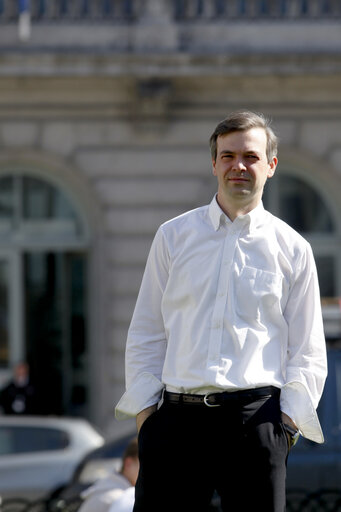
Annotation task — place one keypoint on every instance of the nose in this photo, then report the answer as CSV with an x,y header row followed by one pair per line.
x,y
239,165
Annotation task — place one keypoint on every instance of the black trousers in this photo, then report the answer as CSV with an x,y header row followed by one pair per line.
x,y
188,451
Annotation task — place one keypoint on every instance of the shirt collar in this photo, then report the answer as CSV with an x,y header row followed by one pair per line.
x,y
253,219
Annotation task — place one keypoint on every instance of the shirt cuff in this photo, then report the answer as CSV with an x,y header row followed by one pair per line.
x,y
297,404
145,391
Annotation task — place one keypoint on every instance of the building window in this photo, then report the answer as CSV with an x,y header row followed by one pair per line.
x,y
302,206
43,289
31,207
4,312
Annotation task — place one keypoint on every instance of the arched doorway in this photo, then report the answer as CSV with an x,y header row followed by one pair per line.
x,y
308,203
43,289
300,205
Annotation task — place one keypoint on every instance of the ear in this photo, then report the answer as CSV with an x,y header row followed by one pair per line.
x,y
214,170
128,461
272,167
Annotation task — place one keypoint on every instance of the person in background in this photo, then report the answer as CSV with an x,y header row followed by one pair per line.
x,y
228,331
125,502
106,491
19,396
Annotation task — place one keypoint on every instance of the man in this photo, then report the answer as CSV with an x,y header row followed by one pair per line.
x,y
19,396
116,488
228,326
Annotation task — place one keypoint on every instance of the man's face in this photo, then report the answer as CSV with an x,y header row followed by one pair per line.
x,y
242,167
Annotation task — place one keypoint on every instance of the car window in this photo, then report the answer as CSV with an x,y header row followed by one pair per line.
x,y
26,439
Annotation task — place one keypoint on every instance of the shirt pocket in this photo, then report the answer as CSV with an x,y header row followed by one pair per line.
x,y
257,292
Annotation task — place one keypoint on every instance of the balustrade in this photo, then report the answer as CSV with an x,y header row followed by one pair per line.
x,y
181,10
190,10
63,10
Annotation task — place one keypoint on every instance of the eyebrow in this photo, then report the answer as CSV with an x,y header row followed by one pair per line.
x,y
230,152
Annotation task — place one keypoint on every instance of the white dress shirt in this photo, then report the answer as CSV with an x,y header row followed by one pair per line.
x,y
104,492
125,503
225,306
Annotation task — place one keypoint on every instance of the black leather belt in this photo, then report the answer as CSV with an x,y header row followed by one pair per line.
x,y
218,399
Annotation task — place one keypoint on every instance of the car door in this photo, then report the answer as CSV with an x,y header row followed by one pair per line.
x,y
32,459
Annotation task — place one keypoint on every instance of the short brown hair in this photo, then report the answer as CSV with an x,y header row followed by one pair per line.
x,y
241,121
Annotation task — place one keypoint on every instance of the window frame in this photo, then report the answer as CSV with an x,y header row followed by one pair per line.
x,y
42,236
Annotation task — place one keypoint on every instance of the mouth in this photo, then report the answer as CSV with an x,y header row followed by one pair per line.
x,y
238,179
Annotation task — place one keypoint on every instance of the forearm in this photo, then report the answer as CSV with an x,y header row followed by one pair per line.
x,y
306,352
143,415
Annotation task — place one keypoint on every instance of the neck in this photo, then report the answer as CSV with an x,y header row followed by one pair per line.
x,y
233,209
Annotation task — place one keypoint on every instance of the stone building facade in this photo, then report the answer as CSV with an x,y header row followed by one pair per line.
x,y
106,108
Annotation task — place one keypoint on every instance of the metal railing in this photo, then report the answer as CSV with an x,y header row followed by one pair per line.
x,y
43,505
324,500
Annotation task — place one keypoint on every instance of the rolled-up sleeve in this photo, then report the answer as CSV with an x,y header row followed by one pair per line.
x,y
306,367
146,342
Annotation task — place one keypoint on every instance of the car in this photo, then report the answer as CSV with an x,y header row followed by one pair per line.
x,y
315,469
99,463
38,455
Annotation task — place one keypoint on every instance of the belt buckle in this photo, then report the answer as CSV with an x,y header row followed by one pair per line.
x,y
206,402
